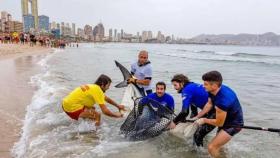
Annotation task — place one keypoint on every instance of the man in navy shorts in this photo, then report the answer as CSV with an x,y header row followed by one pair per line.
x,y
229,115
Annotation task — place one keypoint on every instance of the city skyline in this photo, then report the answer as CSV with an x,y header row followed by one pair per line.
x,y
37,24
181,18
62,30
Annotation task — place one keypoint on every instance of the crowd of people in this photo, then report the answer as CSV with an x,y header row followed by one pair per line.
x,y
33,40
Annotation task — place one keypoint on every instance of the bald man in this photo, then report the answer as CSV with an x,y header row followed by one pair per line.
x,y
142,71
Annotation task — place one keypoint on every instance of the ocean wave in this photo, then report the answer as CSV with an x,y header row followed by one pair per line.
x,y
45,121
227,53
230,58
253,55
36,115
196,51
237,54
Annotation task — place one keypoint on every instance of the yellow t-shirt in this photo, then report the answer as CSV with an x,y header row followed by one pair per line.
x,y
85,95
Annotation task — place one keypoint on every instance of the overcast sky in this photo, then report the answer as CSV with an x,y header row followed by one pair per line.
x,y
183,18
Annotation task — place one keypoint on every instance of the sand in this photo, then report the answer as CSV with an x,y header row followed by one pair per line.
x,y
17,64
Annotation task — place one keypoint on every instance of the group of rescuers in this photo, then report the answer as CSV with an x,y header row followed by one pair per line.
x,y
219,105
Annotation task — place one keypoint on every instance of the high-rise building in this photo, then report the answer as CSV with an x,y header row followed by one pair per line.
x,y
28,23
65,29
80,33
73,29
160,37
53,25
98,32
34,11
1,25
62,30
122,33
127,36
24,7
150,35
110,35
144,36
6,18
88,32
44,23
118,37
58,26
50,26
55,29
115,35
16,26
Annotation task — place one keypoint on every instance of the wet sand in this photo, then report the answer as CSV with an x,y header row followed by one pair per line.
x,y
17,64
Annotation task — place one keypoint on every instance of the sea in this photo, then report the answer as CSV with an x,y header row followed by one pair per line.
x,y
252,72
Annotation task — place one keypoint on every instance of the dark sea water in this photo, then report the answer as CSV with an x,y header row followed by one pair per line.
x,y
252,72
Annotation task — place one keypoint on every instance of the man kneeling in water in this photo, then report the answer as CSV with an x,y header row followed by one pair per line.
x,y
229,114
80,102
195,95
156,100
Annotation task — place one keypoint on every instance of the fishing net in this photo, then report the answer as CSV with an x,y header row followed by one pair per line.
x,y
147,119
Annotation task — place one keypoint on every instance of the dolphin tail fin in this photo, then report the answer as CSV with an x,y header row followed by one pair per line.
x,y
126,75
121,85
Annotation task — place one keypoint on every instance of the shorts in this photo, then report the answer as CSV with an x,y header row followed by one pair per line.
x,y
75,114
230,130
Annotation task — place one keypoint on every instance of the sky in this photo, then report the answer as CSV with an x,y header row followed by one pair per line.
x,y
183,18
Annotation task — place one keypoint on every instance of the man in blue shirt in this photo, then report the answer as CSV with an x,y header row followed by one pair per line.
x,y
142,72
160,98
229,114
195,95
154,114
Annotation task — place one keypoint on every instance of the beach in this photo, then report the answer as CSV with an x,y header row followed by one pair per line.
x,y
34,105
17,64
253,73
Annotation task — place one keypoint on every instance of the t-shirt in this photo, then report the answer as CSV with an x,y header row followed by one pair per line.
x,y
194,94
227,101
166,100
85,95
142,72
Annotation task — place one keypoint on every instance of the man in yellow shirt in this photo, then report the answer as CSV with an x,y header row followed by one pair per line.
x,y
80,102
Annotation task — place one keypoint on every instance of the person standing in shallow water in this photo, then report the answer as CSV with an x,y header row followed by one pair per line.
x,y
229,115
142,72
80,102
193,96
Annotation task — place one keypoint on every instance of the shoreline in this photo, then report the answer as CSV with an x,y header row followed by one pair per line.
x,y
18,63
8,51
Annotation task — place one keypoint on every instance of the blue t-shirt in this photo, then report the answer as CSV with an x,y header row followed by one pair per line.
x,y
166,100
227,101
194,94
